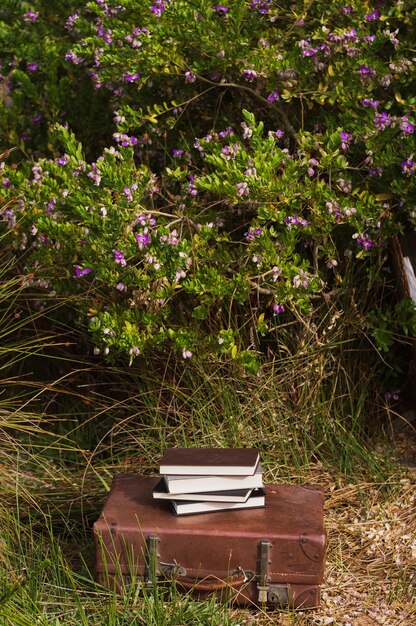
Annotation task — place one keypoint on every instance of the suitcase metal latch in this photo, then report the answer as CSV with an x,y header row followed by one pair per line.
x,y
154,567
263,569
278,594
269,592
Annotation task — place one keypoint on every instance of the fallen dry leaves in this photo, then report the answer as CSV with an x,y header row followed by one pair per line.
x,y
370,574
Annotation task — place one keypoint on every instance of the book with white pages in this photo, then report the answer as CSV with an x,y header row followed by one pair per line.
x,y
160,492
183,507
200,484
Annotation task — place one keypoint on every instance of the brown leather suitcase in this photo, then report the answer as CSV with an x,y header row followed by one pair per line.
x,y
271,556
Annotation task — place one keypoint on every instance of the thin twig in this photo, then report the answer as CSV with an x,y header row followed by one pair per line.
x,y
263,290
277,107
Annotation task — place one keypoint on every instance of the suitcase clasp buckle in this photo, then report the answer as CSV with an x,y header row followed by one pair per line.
x,y
152,568
172,570
263,568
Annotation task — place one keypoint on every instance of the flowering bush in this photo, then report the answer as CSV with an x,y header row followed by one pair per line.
x,y
37,89
262,155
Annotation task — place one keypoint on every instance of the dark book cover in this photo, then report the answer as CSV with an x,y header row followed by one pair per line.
x,y
210,461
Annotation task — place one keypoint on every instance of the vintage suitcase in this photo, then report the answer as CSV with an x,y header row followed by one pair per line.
x,y
267,556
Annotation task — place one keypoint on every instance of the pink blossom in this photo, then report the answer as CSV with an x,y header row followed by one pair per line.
x,y
242,189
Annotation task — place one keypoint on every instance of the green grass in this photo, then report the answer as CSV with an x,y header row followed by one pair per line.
x,y
40,584
63,464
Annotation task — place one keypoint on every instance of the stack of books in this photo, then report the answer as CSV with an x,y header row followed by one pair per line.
x,y
201,480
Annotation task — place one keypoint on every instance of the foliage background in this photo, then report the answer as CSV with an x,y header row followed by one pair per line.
x,y
197,208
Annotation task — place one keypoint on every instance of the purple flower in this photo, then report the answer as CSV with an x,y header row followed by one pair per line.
x,y
273,96
276,273
249,75
72,58
81,272
190,77
128,192
222,9
95,174
63,160
6,182
261,6
370,103
143,239
278,308
226,133
375,171
134,351
105,34
71,21
32,67
125,140
145,218
158,7
382,120
177,152
197,145
192,190
171,239
301,279
307,49
30,17
253,232
365,70
119,257
346,10
186,354
312,163
295,220
406,127
345,140
409,166
130,78
363,240
230,152
36,118
180,274
369,38
247,131
50,206
392,37
344,185
372,17
242,189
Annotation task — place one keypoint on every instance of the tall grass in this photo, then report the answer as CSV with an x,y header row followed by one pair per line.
x,y
314,401
43,582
